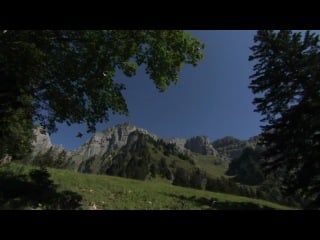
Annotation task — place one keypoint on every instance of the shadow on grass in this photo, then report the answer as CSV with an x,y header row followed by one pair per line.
x,y
214,204
34,191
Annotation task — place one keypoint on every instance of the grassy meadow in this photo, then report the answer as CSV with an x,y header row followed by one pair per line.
x,y
116,193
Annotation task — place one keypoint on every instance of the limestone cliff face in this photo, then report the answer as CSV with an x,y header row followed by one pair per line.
x,y
109,140
201,145
42,142
198,144
180,143
106,145
41,145
231,148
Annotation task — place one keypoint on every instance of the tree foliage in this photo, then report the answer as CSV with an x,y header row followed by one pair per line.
x,y
286,80
247,168
56,76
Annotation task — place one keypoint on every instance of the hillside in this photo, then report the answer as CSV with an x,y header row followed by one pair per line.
x,y
128,151
133,153
73,190
230,148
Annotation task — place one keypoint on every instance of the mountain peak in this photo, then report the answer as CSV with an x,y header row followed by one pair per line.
x,y
110,139
200,144
124,125
42,140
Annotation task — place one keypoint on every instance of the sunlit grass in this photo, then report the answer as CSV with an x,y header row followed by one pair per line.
x,y
109,192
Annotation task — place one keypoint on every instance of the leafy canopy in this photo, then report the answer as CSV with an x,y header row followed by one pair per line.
x,y
67,76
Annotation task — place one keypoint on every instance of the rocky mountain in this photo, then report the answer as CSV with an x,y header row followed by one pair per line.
x,y
142,157
201,145
109,140
180,143
126,150
42,143
114,138
115,162
231,148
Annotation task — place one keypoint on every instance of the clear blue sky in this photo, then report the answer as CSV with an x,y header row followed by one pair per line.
x,y
212,99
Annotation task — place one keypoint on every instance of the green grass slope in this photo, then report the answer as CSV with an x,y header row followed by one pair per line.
x,y
210,165
108,192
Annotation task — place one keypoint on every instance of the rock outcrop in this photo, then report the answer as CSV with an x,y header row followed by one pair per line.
x,y
42,142
201,145
179,142
231,148
109,140
107,144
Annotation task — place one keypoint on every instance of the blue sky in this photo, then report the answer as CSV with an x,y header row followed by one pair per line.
x,y
211,99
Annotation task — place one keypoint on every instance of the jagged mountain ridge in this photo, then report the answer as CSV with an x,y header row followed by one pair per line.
x,y
105,149
112,139
141,157
231,148
109,140
42,143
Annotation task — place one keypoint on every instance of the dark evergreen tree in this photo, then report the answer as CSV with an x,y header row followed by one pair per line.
x,y
247,168
181,178
44,159
287,81
212,185
62,158
163,169
137,168
196,179
153,170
